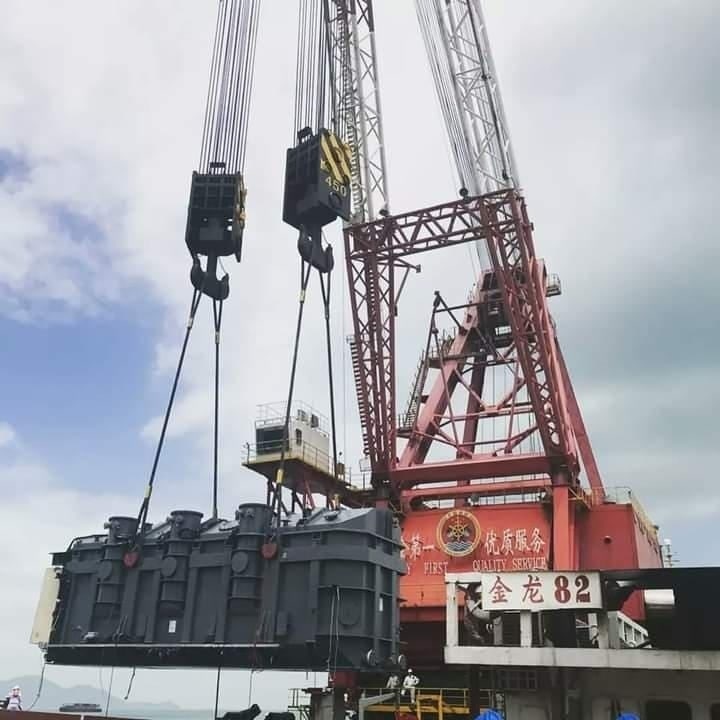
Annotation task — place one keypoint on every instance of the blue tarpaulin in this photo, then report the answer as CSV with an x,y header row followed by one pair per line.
x,y
489,715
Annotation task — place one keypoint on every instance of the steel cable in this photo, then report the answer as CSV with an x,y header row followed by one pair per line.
x,y
316,74
224,137
254,23
434,36
305,271
110,685
227,88
325,290
40,686
217,693
217,321
130,684
304,278
212,104
225,127
142,515
209,105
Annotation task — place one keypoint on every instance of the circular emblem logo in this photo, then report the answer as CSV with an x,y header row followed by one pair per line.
x,y
458,533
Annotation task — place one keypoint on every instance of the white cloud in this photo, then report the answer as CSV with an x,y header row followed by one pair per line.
x,y
90,132
7,435
41,516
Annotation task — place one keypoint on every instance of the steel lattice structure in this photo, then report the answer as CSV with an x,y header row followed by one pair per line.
x,y
464,72
536,440
351,31
506,322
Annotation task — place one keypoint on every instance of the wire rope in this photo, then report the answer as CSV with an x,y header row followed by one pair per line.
x,y
325,289
225,127
217,693
305,269
130,684
222,148
217,322
322,47
40,686
142,515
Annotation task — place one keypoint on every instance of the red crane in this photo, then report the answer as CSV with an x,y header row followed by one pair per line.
x,y
538,440
490,465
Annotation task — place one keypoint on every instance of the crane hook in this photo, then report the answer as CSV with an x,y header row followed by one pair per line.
x,y
312,252
206,281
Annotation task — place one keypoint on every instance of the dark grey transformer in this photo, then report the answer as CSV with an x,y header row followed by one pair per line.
x,y
323,594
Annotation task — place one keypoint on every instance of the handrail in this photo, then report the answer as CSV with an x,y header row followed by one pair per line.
x,y
308,453
273,413
303,450
430,701
449,696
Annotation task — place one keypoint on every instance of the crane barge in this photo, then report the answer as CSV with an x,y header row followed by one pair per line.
x,y
486,535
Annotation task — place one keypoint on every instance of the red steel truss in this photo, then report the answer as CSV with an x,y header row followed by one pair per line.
x,y
529,433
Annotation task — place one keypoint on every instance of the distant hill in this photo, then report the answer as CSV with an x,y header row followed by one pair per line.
x,y
53,696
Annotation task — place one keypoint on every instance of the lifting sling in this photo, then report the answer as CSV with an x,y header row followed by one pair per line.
x,y
216,209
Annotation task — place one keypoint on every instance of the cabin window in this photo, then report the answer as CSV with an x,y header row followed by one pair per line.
x,y
269,440
667,710
298,437
715,711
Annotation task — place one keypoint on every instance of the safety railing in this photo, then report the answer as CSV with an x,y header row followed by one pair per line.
x,y
273,413
318,458
299,703
631,634
436,351
429,699
406,420
272,450
443,343
430,702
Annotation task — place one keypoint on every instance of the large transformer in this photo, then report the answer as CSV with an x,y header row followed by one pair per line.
x,y
322,593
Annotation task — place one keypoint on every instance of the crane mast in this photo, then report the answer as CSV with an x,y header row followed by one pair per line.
x,y
350,28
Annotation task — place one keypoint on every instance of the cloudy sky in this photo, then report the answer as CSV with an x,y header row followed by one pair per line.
x,y
613,108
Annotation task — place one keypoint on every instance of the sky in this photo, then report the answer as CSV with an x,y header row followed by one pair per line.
x,y
613,109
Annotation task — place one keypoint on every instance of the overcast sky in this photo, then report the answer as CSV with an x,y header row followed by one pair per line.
x,y
613,109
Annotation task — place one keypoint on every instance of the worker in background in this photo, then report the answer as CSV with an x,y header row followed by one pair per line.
x,y
393,682
13,701
410,682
